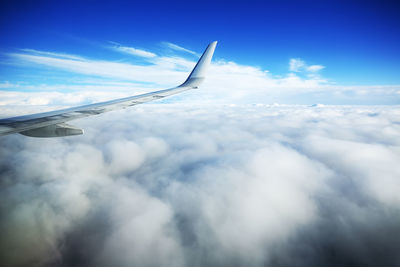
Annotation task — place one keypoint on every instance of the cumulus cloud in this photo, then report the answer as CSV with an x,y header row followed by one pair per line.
x,y
315,68
207,185
296,64
299,65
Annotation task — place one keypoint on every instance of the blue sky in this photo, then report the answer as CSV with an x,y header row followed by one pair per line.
x,y
355,43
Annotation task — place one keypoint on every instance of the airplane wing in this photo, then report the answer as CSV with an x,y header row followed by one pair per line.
x,y
52,124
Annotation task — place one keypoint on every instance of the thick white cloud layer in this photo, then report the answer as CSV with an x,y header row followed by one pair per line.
x,y
207,185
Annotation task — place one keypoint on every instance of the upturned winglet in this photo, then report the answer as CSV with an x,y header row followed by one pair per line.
x,y
197,75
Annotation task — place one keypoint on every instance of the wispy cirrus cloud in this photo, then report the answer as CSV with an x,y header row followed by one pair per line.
x,y
101,68
51,54
179,48
227,81
132,51
173,69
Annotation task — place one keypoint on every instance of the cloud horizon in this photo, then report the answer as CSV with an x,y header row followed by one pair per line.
x,y
227,81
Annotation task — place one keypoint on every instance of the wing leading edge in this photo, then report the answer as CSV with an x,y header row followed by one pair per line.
x,y
52,124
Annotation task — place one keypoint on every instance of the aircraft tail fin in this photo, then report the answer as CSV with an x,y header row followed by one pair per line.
x,y
197,75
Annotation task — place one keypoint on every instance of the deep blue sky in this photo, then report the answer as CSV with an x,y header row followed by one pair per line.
x,y
357,41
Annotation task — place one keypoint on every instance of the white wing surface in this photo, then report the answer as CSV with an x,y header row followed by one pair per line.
x,y
52,124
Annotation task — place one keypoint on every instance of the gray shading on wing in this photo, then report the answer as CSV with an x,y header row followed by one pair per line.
x,y
52,124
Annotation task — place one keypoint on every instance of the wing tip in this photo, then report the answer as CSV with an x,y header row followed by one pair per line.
x,y
198,73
